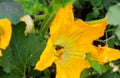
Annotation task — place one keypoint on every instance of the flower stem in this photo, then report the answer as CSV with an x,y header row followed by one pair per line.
x,y
46,24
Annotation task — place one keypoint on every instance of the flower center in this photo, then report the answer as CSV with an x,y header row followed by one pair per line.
x,y
59,51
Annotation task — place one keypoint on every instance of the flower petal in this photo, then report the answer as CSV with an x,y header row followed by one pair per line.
x,y
80,32
47,57
0,53
107,54
60,71
5,37
92,31
63,18
71,69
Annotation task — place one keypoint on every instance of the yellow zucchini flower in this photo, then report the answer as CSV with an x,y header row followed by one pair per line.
x,y
5,33
69,42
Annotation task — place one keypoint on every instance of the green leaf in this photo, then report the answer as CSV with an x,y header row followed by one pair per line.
x,y
111,42
88,57
106,4
34,73
94,63
105,68
5,0
91,73
56,4
23,51
32,7
117,32
65,2
96,3
6,75
96,11
77,4
45,25
87,73
90,16
113,16
43,2
11,10
96,66
47,73
82,1
110,74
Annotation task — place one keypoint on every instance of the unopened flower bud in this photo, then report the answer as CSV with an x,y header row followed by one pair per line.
x,y
29,24
115,68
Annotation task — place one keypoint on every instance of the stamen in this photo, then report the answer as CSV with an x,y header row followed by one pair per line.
x,y
57,47
84,56
59,51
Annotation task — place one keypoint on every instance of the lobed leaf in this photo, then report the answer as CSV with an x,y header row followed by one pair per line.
x,y
113,15
117,32
96,66
23,51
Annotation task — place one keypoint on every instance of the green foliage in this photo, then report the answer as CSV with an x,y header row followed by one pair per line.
x,y
96,66
19,58
47,73
22,53
110,74
117,32
111,42
96,3
113,15
96,9
34,73
48,9
11,10
34,6
107,72
8,75
87,72
96,69
56,4
114,18
6,0
93,9
94,63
